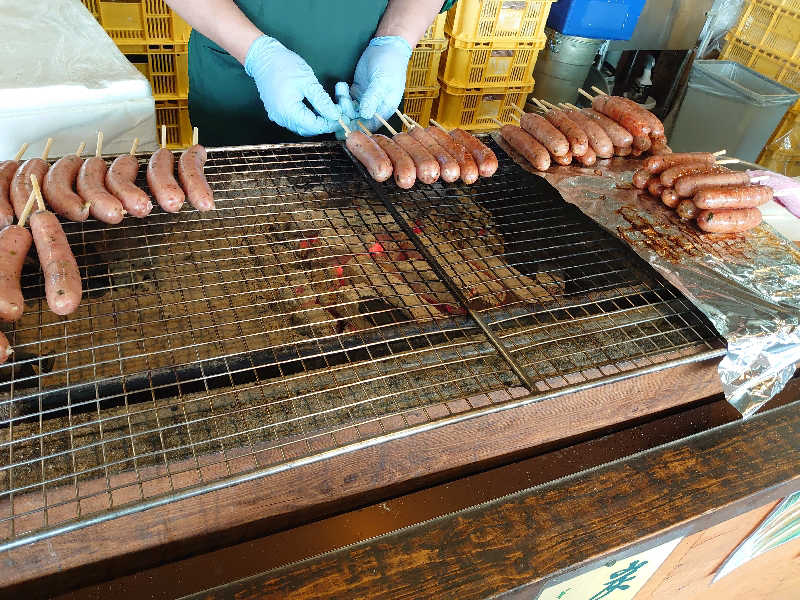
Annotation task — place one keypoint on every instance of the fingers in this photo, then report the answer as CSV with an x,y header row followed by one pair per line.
x,y
342,92
322,102
370,100
303,122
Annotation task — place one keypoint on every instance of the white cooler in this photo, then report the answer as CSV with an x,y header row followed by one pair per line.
x,y
63,77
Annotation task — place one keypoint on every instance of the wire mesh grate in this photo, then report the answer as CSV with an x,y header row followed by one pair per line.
x,y
296,318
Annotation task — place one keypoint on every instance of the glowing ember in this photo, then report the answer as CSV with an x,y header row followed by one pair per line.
x,y
376,248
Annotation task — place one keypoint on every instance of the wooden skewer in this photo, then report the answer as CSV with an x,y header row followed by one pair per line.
x,y
549,105
99,151
402,118
22,150
500,123
47,148
598,90
585,94
364,129
133,146
572,106
720,152
195,136
517,108
345,127
27,210
728,161
539,104
515,117
163,136
439,125
37,190
412,121
383,121
80,149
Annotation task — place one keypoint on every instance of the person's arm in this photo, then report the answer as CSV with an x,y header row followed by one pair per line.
x,y
408,19
221,21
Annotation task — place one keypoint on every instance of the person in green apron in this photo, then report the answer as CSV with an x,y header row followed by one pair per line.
x,y
259,69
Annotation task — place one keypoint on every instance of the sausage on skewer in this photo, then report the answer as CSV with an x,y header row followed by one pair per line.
x,y
58,187
160,178
91,186
7,170
193,179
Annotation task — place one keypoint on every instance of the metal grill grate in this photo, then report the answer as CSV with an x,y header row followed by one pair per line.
x,y
302,316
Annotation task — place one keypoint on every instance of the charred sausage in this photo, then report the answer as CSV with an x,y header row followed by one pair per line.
x,y
194,183
92,188
62,279
448,167
598,138
687,210
58,189
735,196
659,164
162,183
620,136
524,143
576,136
15,241
405,173
425,163
21,184
466,164
688,185
728,221
545,133
618,110
7,170
483,155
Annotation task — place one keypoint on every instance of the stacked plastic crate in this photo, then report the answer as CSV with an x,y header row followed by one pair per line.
x,y
488,68
422,89
156,41
767,39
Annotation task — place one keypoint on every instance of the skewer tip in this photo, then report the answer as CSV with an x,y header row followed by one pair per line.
x,y
99,150
344,126
195,136
383,121
21,151
437,124
585,94
47,147
80,149
163,136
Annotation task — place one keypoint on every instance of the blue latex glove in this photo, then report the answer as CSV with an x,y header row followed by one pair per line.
x,y
380,77
348,108
284,79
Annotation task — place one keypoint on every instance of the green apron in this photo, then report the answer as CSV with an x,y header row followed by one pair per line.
x,y
223,100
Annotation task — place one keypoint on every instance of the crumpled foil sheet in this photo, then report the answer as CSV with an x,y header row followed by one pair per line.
x,y
748,285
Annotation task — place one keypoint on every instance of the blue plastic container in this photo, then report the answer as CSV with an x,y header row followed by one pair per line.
x,y
599,19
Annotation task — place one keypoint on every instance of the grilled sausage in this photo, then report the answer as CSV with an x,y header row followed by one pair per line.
x,y
5,348
641,178
545,133
669,197
618,110
119,181
427,167
728,221
735,196
21,184
658,142
58,189
661,151
578,140
598,138
687,210
449,170
7,170
15,241
200,194
524,143
588,158
483,155
655,124
688,185
620,136
636,152
669,176
642,142
162,183
62,280
565,160
659,164
466,164
622,151
654,187
92,188
405,173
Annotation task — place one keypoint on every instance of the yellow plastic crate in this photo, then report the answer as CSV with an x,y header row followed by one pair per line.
x,y
139,21
418,104
474,108
435,34
490,63
166,66
423,68
175,115
494,20
767,63
772,25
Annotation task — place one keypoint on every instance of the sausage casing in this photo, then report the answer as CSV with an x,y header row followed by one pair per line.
x,y
688,185
622,151
119,181
528,146
578,140
620,136
655,124
588,158
426,164
642,142
659,164
466,164
7,170
615,108
729,221
162,183
194,183
545,133
734,196
62,279
669,197
58,189
483,155
598,138
405,173
687,209
15,241
91,186
641,178
21,184
565,160
448,167
669,176
654,187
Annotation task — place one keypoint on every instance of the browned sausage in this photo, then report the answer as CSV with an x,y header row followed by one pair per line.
x,y
120,182
15,241
524,143
426,164
657,142
162,183
669,197
578,140
449,170
687,185
194,183
661,151
92,188
655,124
588,158
636,152
565,160
5,348
618,110
641,178
466,164
620,136
21,184
654,187
687,210
642,142
369,154
545,133
405,173
622,150
62,280
483,155
734,196
728,221
598,138
7,170
58,189
659,164
669,176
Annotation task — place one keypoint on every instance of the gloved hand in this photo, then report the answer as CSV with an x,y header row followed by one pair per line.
x,y
348,108
380,77
284,79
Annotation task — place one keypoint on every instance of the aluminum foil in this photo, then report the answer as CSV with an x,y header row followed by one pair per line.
x,y
748,285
